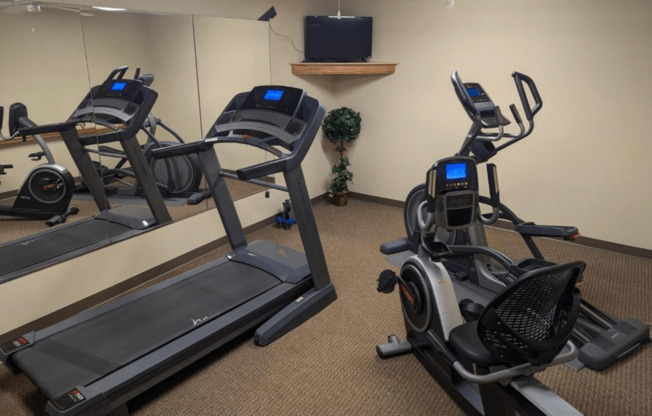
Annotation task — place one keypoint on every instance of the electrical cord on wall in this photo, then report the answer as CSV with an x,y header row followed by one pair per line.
x,y
288,38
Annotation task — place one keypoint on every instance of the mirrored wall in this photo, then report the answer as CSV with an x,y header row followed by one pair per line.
x,y
54,55
44,67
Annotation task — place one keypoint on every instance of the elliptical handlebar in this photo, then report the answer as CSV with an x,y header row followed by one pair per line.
x,y
484,114
494,192
530,111
519,79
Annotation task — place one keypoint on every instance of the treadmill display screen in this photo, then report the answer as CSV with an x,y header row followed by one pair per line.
x,y
456,171
273,95
118,86
473,92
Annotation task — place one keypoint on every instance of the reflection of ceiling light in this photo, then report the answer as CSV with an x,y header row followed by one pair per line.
x,y
110,9
33,8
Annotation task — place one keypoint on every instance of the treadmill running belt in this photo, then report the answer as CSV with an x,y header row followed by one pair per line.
x,y
84,353
14,256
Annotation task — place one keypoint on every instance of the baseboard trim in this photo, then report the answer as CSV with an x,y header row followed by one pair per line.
x,y
377,199
594,243
504,224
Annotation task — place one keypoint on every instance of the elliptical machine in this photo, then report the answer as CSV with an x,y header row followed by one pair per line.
x,y
48,189
485,365
601,339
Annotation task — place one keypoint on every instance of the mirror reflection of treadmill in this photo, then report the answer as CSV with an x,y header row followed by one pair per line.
x,y
119,106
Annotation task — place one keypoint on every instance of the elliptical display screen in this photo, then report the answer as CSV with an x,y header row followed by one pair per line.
x,y
455,171
473,92
452,174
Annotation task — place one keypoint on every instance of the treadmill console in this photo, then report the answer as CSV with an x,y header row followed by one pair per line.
x,y
275,115
123,89
452,185
278,99
116,100
121,104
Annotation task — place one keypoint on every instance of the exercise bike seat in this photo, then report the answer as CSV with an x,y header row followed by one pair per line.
x,y
528,322
466,342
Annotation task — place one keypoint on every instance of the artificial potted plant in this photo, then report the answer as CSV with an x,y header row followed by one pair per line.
x,y
341,126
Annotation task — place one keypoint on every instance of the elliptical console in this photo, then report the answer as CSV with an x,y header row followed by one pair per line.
x,y
452,186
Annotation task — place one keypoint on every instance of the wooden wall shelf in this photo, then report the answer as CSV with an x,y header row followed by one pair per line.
x,y
343,68
83,131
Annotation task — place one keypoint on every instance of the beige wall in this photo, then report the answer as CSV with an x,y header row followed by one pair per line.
x,y
588,159
34,43
586,163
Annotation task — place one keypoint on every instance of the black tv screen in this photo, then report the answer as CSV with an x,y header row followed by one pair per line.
x,y
333,39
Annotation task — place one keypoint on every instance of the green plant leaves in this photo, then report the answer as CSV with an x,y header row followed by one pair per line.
x,y
341,125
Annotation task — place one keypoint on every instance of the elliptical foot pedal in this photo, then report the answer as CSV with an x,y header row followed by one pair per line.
x,y
395,246
613,344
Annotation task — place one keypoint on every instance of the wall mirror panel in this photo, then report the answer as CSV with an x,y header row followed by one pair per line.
x,y
161,46
43,66
197,63
232,57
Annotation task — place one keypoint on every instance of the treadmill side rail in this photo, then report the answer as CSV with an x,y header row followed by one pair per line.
x,y
303,308
9,348
83,400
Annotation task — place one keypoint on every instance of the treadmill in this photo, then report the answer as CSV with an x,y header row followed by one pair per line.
x,y
94,362
119,107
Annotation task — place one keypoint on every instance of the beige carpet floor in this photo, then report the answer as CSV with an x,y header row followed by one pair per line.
x,y
328,366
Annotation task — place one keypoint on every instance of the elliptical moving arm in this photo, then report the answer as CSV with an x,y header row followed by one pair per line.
x,y
494,196
530,112
486,115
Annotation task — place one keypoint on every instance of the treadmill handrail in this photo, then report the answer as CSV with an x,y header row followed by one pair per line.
x,y
48,128
271,130
287,161
284,162
180,149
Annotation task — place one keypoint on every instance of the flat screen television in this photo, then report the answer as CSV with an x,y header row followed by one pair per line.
x,y
333,39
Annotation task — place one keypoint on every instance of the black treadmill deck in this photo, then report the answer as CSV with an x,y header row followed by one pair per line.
x,y
46,247
84,353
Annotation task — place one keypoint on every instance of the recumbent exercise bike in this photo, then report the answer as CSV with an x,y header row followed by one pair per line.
x,y
48,189
485,365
